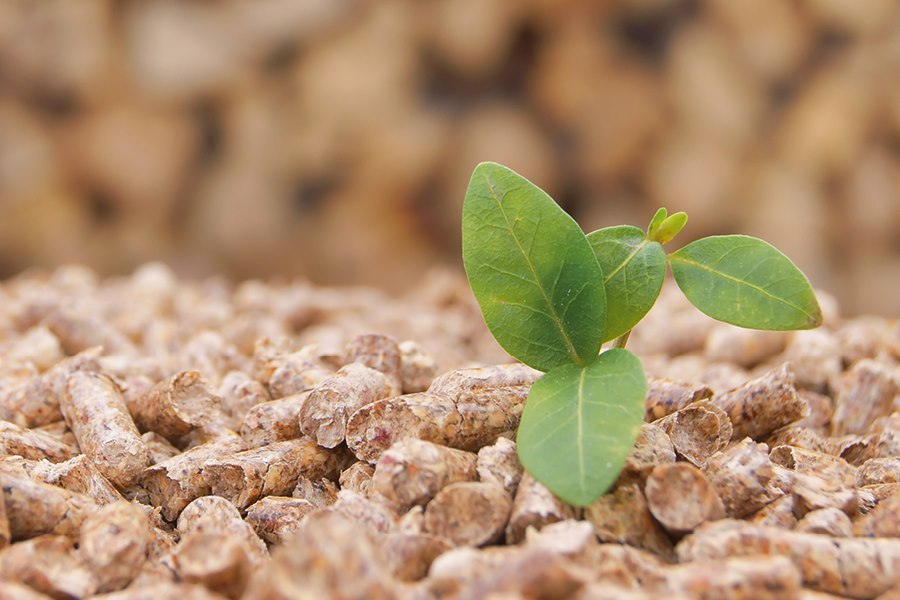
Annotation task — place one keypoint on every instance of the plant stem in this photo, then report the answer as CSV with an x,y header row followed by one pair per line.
x,y
620,341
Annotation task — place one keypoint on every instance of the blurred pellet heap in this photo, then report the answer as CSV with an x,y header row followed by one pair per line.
x,y
335,138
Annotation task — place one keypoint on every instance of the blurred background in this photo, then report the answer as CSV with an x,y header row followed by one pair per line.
x,y
334,139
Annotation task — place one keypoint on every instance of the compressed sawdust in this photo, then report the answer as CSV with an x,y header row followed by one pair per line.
x,y
162,438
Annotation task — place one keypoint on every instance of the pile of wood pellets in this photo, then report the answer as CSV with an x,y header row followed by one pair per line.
x,y
195,440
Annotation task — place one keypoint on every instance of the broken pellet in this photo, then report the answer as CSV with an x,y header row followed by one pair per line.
x,y
826,521
855,567
464,409
862,394
245,477
623,517
499,463
326,411
214,514
97,415
762,405
798,437
176,406
215,560
534,506
239,393
78,475
665,396
652,447
48,564
273,421
113,544
174,483
366,512
681,498
33,444
412,471
745,477
468,513
417,368
697,431
319,493
34,508
295,373
275,518
357,477
379,352
330,557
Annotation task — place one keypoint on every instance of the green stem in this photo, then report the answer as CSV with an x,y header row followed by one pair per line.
x,y
620,341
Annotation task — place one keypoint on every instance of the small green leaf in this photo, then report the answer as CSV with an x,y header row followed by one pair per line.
x,y
532,271
579,424
633,269
747,282
656,221
669,228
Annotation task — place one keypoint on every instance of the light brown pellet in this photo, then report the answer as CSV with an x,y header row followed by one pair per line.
x,y
412,471
160,448
879,470
778,513
114,543
534,506
239,393
743,347
325,413
330,557
77,332
275,518
745,477
5,534
417,368
468,513
804,460
176,406
623,517
215,560
499,463
762,405
697,431
34,508
826,521
165,590
464,409
357,477
97,415
367,513
882,521
652,447
665,396
78,475
409,555
798,437
379,352
293,373
319,493
759,578
815,358
10,590
213,514
245,477
862,394
859,568
681,498
33,444
48,564
174,483
273,421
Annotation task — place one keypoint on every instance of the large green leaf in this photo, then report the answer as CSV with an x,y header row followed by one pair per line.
x,y
634,269
579,425
532,271
747,282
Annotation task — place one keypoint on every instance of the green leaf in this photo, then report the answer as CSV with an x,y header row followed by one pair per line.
x,y
634,269
579,425
532,271
745,281
656,221
669,228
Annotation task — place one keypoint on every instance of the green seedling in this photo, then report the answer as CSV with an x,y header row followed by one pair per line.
x,y
552,296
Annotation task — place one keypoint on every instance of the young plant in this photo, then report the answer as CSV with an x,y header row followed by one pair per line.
x,y
551,296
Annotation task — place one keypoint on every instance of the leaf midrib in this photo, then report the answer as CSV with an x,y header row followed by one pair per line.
x,y
627,260
555,317
763,291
